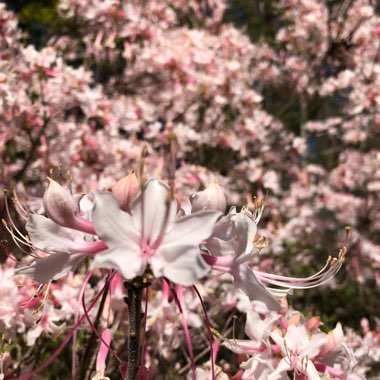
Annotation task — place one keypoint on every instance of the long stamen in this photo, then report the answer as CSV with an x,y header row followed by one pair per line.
x,y
279,277
208,325
9,214
328,271
75,335
42,304
7,252
35,295
94,329
64,343
12,227
182,305
22,211
185,327
17,240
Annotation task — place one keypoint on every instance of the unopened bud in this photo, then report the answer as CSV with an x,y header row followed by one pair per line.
x,y
313,323
59,204
62,208
211,198
125,190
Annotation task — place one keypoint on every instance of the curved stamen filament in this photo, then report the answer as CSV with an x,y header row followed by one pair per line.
x,y
301,283
17,240
9,214
331,267
22,211
34,296
286,278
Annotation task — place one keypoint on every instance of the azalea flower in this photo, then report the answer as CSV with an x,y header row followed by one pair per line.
x,y
232,246
151,235
258,330
58,249
297,349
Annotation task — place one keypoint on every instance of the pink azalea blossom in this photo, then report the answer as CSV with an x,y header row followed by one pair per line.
x,y
59,249
297,349
151,235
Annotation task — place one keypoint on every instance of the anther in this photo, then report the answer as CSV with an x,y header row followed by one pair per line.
x,y
342,252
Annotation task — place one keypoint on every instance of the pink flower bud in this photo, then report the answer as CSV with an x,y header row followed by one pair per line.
x,y
211,198
62,208
313,323
125,190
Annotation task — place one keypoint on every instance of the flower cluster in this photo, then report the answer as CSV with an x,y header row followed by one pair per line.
x,y
293,111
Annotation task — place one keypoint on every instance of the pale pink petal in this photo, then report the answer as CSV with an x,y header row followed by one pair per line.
x,y
192,229
246,229
181,264
254,326
52,267
153,211
247,282
283,366
279,340
248,347
314,345
218,247
297,338
49,237
124,259
311,371
113,225
257,328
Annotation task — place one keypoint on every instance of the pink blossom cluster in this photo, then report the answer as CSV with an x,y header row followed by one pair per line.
x,y
172,79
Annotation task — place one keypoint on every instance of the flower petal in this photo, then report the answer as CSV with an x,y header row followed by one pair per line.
x,y
181,264
246,229
52,267
276,335
311,371
239,346
48,236
258,329
150,210
114,226
192,229
283,366
247,282
297,338
127,261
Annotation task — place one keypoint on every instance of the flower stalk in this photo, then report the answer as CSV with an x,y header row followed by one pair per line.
x,y
135,290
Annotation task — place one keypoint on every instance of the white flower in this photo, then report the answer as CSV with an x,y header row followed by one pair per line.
x,y
152,235
298,349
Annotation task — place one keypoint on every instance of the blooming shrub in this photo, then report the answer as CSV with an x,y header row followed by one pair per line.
x,y
203,118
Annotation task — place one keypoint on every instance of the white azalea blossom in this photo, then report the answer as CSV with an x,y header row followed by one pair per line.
x,y
298,349
151,234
